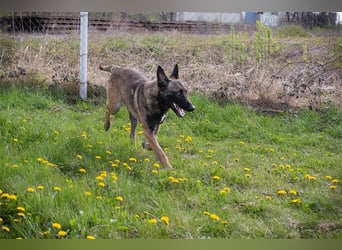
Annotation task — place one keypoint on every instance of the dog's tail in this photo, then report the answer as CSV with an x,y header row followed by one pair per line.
x,y
109,68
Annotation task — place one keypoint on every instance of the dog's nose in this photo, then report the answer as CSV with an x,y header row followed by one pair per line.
x,y
192,108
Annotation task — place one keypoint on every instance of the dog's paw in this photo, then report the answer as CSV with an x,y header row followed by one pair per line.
x,y
147,146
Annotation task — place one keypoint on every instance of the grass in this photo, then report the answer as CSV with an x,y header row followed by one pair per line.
x,y
238,173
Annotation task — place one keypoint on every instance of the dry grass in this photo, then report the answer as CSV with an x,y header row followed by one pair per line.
x,y
263,71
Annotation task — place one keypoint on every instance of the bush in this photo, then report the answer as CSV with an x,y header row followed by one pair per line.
x,y
8,47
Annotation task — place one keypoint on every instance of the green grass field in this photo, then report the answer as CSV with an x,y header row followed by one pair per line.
x,y
237,173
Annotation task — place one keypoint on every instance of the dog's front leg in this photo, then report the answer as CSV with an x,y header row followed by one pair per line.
x,y
153,143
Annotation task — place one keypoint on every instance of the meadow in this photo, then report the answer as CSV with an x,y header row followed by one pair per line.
x,y
260,158
238,173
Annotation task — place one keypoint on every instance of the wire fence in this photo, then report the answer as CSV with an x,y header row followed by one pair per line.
x,y
203,23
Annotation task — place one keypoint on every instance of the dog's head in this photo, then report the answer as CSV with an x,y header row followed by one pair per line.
x,y
172,92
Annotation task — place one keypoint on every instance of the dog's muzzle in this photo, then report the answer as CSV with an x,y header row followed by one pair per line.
x,y
180,111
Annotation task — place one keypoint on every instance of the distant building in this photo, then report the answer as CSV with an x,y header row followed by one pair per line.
x,y
235,17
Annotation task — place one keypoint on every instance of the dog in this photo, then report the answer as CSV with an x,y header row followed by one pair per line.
x,y
147,102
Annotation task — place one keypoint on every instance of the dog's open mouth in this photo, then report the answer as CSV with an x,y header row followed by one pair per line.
x,y
178,110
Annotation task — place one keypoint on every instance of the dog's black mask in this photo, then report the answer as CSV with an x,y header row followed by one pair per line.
x,y
172,93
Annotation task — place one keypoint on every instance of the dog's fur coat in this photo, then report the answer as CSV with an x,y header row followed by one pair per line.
x,y
147,102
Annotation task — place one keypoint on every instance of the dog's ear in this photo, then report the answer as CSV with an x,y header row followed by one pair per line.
x,y
161,77
175,72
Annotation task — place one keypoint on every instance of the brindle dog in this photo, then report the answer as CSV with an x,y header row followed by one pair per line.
x,y
147,102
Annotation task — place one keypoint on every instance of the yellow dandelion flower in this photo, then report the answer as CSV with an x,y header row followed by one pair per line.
x,y
328,177
108,152
113,176
87,193
56,225
119,198
30,189
56,188
224,222
206,213
293,192
246,169
188,139
267,197
175,180
242,142
210,151
147,160
214,162
154,171
98,157
236,159
132,159
282,192
12,197
214,217
99,178
309,177
153,221
215,177
56,132
296,201
99,198
335,181
21,209
165,219
4,195
1,220
21,214
80,157
103,173
6,229
156,165
84,134
90,237
248,175
332,187
40,187
15,139
101,184
62,233
82,170
224,190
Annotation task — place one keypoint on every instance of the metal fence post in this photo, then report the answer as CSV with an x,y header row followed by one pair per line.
x,y
83,54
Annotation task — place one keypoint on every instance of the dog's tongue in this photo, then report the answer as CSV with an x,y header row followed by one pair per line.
x,y
178,110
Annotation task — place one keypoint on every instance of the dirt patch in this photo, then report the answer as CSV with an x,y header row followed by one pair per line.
x,y
290,74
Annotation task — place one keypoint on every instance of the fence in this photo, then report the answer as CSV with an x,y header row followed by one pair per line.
x,y
64,24
55,23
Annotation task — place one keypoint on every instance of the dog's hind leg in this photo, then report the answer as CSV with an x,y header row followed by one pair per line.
x,y
134,124
111,109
